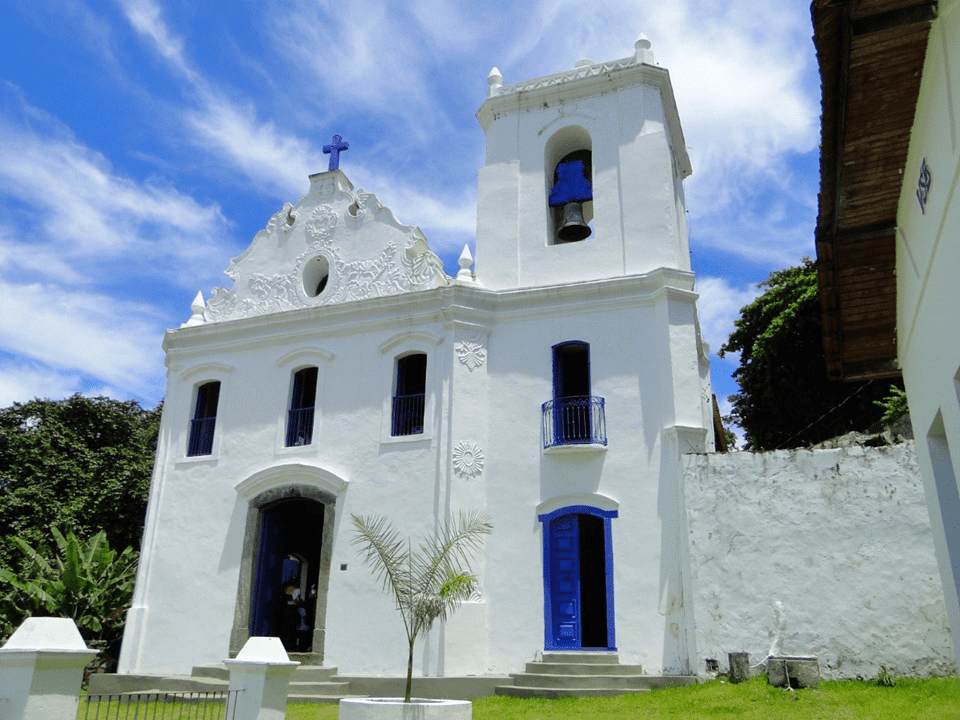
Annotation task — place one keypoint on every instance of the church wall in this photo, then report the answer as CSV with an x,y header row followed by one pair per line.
x,y
826,553
928,264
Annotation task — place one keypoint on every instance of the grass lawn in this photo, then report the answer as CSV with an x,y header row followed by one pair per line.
x,y
910,699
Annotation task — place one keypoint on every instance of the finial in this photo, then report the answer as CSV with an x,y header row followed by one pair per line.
x,y
584,62
465,260
643,52
196,307
494,82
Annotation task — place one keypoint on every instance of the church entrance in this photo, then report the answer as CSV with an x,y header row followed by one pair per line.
x,y
287,575
578,580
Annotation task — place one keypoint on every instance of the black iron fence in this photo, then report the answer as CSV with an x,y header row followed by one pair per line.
x,y
214,705
574,420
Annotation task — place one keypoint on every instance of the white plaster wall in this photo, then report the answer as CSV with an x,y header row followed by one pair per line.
x,y
928,301
826,553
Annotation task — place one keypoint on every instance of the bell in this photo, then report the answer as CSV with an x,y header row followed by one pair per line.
x,y
572,226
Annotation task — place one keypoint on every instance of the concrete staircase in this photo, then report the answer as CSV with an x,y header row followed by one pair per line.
x,y
582,674
308,683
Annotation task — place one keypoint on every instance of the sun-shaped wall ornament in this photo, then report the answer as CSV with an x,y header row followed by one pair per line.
x,y
467,459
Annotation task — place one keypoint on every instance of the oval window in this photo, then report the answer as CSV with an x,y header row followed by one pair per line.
x,y
315,276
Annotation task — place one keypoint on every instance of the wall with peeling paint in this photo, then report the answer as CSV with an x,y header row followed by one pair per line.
x,y
823,552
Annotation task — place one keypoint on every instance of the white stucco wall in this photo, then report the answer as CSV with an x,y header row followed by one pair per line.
x,y
826,553
928,294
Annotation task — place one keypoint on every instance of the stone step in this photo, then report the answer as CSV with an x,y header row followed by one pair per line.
x,y
556,668
581,658
573,682
304,673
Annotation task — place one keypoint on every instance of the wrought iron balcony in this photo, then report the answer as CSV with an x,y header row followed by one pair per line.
x,y
574,421
201,436
299,426
407,414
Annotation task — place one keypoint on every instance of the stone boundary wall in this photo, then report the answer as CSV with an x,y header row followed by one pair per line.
x,y
816,552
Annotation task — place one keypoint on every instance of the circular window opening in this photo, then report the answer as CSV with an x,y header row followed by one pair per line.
x,y
315,276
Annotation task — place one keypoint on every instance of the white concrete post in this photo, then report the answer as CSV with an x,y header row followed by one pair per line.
x,y
41,670
262,671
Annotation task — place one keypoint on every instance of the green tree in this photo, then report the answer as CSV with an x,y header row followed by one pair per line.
x,y
86,581
428,583
80,463
786,399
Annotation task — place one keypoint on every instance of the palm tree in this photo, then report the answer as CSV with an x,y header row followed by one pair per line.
x,y
429,582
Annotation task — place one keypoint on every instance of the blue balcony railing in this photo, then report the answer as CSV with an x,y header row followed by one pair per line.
x,y
574,421
299,426
201,436
407,414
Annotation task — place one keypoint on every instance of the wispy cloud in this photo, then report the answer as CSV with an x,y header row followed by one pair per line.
x,y
719,306
80,333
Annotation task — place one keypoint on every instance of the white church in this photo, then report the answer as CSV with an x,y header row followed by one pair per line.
x,y
555,384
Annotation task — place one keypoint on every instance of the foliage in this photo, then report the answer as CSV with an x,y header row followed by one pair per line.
x,y
83,463
428,583
785,398
86,581
885,678
894,405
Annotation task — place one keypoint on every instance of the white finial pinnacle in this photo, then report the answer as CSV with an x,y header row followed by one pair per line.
x,y
642,49
494,81
465,260
196,307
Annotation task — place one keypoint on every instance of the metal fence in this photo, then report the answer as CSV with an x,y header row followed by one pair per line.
x,y
213,705
574,421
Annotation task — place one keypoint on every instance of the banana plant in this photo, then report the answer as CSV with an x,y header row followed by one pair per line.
x,y
85,580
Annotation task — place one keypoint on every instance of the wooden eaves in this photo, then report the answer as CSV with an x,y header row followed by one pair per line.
x,y
871,55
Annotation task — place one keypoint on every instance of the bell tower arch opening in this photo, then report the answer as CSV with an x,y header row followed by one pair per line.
x,y
568,174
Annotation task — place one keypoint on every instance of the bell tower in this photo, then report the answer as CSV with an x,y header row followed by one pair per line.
x,y
583,178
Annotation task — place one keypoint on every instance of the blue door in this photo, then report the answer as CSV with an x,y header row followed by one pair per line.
x,y
565,581
578,579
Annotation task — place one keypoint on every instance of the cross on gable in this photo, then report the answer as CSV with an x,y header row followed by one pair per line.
x,y
333,150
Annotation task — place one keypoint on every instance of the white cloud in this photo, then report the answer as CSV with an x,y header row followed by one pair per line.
x,y
146,18
69,216
76,333
719,306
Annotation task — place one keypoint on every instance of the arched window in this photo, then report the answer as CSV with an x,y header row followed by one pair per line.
x,y
303,400
409,395
204,419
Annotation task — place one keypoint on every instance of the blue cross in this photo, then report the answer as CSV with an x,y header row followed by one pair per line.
x,y
333,150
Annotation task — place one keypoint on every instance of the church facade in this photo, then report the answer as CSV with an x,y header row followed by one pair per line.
x,y
555,385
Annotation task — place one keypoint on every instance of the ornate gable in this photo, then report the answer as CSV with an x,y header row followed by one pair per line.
x,y
335,245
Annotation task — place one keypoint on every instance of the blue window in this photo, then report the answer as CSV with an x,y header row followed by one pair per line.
x,y
204,419
409,394
574,415
302,405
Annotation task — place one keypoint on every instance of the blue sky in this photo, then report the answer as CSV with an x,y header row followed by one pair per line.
x,y
143,143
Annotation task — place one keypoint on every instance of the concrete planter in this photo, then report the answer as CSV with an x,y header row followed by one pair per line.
x,y
397,709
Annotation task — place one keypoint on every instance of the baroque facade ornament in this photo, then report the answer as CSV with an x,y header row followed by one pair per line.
x,y
470,352
269,277
467,459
